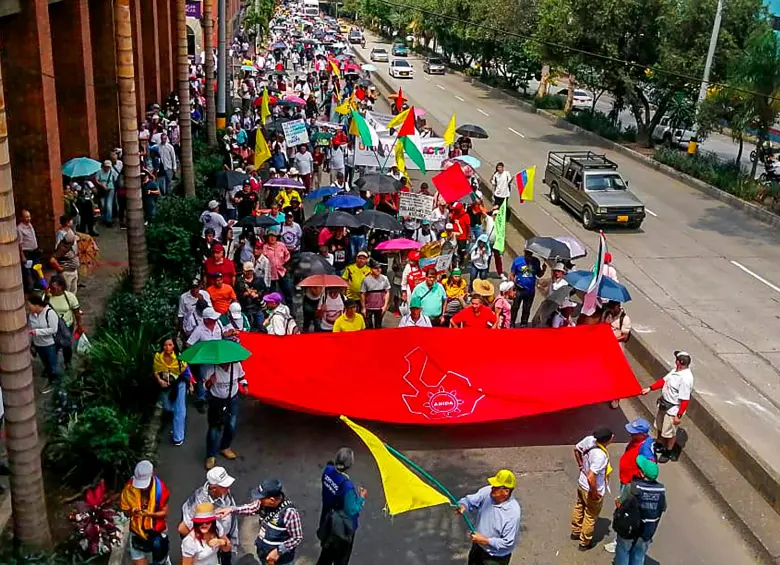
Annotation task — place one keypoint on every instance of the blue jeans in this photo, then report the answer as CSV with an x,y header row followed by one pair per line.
x,y
179,409
631,552
108,206
168,176
476,231
48,355
476,274
200,374
356,243
284,285
221,437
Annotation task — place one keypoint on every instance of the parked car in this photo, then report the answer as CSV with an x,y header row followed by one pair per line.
x,y
433,66
401,68
590,185
582,100
379,55
400,50
669,135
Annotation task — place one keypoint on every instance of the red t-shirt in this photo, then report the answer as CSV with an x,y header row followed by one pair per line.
x,y
415,277
465,226
485,319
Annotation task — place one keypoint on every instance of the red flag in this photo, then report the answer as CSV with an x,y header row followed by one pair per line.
x,y
399,102
452,183
407,128
419,381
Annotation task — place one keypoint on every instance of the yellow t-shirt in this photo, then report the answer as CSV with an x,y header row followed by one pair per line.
x,y
284,198
455,291
354,275
344,324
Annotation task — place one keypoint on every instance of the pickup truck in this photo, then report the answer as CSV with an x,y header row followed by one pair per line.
x,y
590,185
670,136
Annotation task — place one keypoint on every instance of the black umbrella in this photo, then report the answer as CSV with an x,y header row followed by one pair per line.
x,y
228,179
378,184
306,264
379,221
257,222
477,132
334,219
548,248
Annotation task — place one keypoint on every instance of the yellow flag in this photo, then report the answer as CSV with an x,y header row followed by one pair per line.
x,y
397,120
343,108
265,111
404,491
335,69
262,153
449,133
399,159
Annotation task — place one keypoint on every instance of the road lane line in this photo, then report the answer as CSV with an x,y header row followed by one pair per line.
x,y
481,111
426,78
459,98
756,276
649,211
516,132
440,86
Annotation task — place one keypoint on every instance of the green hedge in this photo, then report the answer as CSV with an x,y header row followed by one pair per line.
x,y
550,102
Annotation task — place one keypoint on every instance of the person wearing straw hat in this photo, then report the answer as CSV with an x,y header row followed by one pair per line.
x,y
485,289
498,520
207,540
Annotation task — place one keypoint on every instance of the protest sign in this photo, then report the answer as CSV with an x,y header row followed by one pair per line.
x,y
433,149
412,205
442,263
295,133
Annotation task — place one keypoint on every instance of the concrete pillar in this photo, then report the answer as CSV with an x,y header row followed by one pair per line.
x,y
101,20
138,56
74,75
31,103
151,32
166,26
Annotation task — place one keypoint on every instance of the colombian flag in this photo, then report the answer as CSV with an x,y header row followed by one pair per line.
x,y
525,183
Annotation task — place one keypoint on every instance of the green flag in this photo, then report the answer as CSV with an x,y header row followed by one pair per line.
x,y
500,227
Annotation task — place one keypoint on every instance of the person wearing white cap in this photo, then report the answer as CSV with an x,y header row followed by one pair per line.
x,y
216,491
235,319
502,306
676,389
144,500
564,316
211,218
558,272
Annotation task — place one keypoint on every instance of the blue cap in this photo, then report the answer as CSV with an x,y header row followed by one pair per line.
x,y
638,426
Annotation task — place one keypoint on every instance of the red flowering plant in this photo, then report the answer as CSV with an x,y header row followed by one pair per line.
x,y
95,522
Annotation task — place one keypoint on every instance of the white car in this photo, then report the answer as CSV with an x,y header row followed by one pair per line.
x,y
400,68
379,54
582,100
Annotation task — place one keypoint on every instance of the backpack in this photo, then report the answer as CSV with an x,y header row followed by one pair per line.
x,y
627,519
290,327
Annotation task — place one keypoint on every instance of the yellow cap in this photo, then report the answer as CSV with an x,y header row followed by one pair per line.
x,y
504,478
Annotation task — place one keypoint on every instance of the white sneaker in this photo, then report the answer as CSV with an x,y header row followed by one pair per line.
x,y
610,547
503,277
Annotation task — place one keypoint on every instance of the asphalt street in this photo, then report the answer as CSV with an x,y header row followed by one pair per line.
x,y
700,264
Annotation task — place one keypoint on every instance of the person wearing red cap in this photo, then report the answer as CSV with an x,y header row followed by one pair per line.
x,y
218,263
607,269
462,226
411,276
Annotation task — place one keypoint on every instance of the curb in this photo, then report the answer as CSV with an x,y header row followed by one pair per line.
x,y
746,462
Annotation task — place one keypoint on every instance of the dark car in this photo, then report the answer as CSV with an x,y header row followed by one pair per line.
x,y
433,66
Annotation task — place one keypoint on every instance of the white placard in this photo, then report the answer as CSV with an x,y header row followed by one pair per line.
x,y
295,133
413,205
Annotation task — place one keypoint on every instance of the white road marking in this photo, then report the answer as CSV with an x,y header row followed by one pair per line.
x,y
756,276
516,132
460,98
481,111
649,211
440,86
427,79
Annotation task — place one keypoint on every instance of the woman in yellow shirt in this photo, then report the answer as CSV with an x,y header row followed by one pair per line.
x,y
456,288
174,378
350,320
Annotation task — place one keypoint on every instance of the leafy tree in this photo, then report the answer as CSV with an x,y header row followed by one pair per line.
x,y
725,106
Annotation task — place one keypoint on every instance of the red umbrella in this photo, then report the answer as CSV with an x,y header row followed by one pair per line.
x,y
400,244
324,280
271,100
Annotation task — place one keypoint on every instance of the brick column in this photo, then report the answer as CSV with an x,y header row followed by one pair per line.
x,y
166,26
74,75
150,31
31,103
138,56
101,20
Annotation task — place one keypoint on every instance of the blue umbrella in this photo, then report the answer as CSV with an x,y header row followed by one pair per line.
x,y
473,162
608,289
345,201
323,192
279,45
80,167
248,68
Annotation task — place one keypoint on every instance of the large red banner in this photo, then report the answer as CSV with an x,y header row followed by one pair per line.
x,y
439,375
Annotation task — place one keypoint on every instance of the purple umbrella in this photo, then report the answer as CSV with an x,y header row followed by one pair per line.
x,y
284,182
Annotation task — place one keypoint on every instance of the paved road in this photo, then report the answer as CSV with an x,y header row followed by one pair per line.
x,y
702,268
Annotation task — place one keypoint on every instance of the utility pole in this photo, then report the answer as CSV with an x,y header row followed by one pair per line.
x,y
221,63
710,53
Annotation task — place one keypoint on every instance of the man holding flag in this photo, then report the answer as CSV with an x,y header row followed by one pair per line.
x,y
498,520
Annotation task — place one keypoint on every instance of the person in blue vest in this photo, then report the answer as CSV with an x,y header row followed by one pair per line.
x,y
651,497
281,530
341,500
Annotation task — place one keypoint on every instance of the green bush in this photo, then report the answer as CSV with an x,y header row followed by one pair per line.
x,y
550,102
597,122
99,440
169,251
179,212
154,307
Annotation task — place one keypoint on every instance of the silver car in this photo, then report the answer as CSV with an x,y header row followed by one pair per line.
x,y
433,66
380,55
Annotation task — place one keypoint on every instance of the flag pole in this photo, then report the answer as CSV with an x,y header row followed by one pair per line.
x,y
441,487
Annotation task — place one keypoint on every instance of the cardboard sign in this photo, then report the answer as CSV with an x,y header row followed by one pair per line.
x,y
412,205
295,133
433,148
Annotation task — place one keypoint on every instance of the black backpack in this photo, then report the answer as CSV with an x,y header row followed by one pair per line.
x,y
627,520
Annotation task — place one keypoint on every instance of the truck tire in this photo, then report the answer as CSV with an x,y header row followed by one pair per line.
x,y
555,197
587,218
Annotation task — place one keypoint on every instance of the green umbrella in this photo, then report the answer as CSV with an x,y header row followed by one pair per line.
x,y
215,352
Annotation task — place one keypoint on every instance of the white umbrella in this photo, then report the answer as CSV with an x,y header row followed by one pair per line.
x,y
576,247
368,67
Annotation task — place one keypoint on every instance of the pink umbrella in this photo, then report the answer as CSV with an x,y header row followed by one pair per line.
x,y
295,100
418,112
400,244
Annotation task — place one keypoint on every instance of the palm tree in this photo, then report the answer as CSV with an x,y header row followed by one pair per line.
x,y
187,168
16,377
128,118
208,47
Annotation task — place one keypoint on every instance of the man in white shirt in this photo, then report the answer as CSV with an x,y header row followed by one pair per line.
x,y
188,314
336,162
676,389
304,162
223,384
593,460
502,184
209,328
415,317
